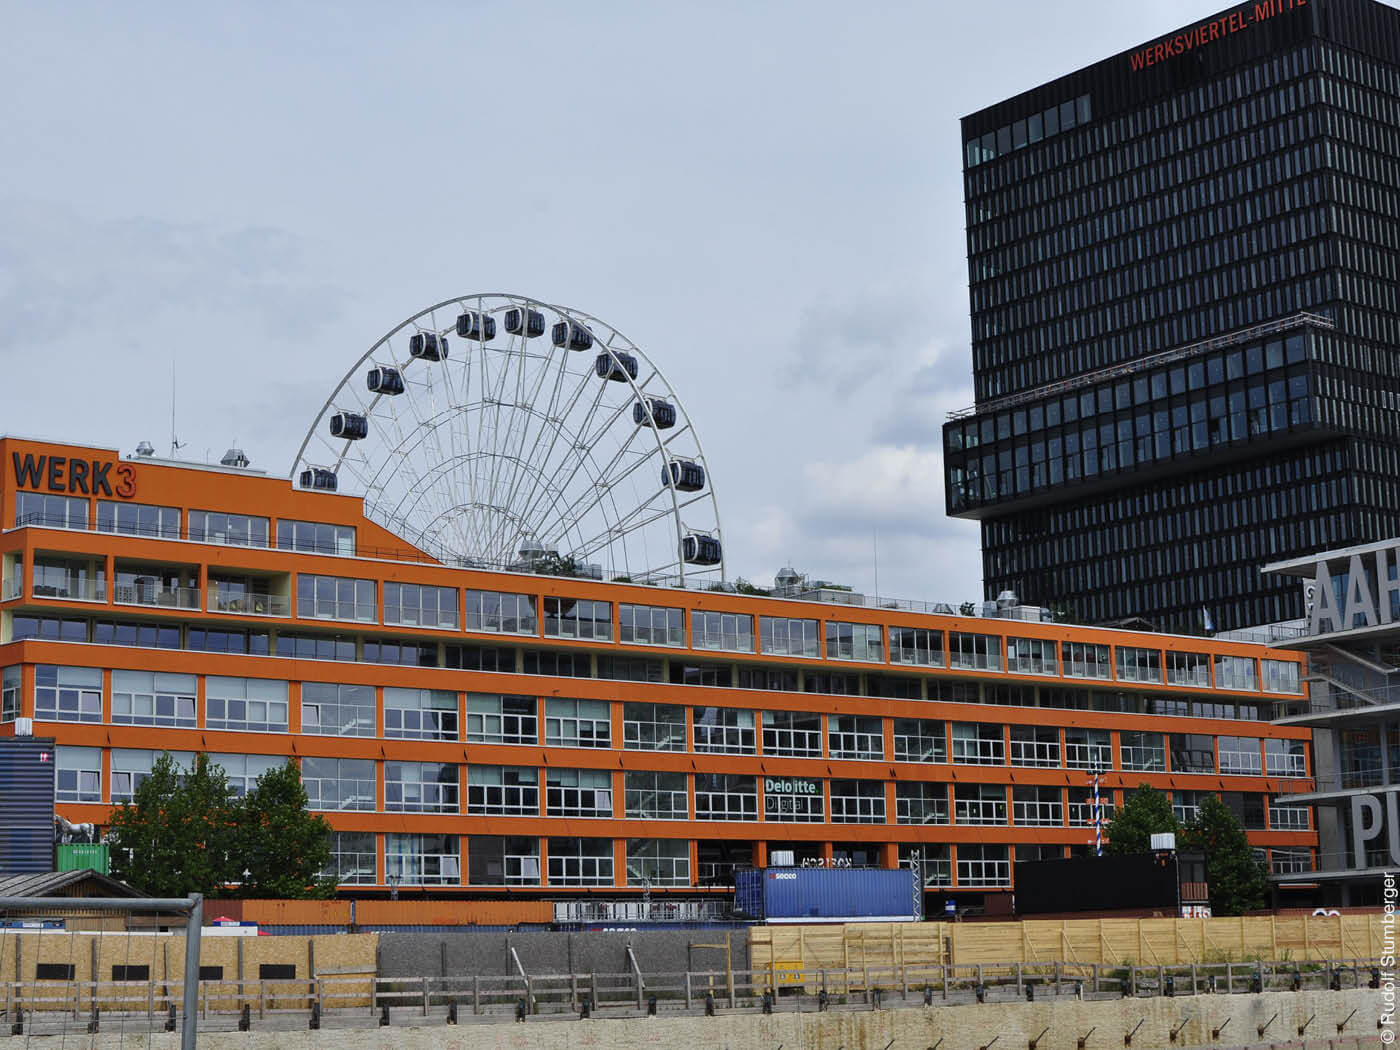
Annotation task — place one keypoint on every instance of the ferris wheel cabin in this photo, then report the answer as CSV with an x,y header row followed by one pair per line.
x,y
318,478
574,336
428,346
349,425
616,365
529,323
384,381
683,475
660,414
481,327
699,549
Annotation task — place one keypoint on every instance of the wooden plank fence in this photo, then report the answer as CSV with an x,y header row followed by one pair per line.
x,y
1144,942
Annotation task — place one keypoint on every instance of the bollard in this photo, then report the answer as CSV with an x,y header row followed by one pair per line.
x,y
928,995
170,1019
585,1008
767,1002
245,1019
384,1016
520,1010
452,1012
651,1005
709,1004
313,1024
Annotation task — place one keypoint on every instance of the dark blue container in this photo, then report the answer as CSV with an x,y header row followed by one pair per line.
x,y
828,894
26,798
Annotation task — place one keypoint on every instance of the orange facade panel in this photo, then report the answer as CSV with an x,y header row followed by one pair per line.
x,y
451,913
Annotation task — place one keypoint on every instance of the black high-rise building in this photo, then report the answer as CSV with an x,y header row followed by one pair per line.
x,y
1184,264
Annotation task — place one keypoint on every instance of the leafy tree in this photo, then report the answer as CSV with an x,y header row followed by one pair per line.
x,y
172,838
280,845
1146,812
1238,882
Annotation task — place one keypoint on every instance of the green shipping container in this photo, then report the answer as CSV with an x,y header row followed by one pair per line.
x,y
75,856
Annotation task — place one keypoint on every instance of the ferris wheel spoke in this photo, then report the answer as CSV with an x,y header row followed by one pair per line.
x,y
531,496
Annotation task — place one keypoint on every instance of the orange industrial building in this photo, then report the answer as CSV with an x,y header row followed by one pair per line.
x,y
473,733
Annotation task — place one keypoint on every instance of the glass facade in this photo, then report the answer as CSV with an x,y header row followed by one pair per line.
x,y
1184,322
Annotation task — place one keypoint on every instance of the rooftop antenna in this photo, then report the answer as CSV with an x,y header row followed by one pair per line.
x,y
175,446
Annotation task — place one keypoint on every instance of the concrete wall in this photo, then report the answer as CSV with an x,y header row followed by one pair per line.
x,y
960,1028
544,952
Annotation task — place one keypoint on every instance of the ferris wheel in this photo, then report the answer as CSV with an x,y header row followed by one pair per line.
x,y
497,431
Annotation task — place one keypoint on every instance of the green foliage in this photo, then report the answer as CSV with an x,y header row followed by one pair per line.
x,y
172,838
967,609
183,834
1238,882
553,564
743,586
280,845
1146,812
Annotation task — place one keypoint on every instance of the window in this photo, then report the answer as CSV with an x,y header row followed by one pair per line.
x,y
1188,669
311,537
72,578
1139,665
974,651
920,802
67,694
420,714
920,740
242,771
720,676
1236,672
1288,818
630,668
773,679
138,519
578,793
57,629
1240,755
501,719
250,704
833,684
723,731
1088,749
655,796
498,659
503,861
146,698
725,796
855,641
335,598
402,654
131,972
577,723
916,645
295,645
51,512
503,791
932,861
1192,753
1081,806
337,710
353,861
1031,656
979,804
578,618
246,595
895,687
233,530
792,734
78,774
1186,806
1286,758
653,727
1035,746
580,862
1281,676
981,865
650,625
338,784
793,800
855,736
418,605
724,632
1143,752
788,637
857,801
421,787
502,613
422,860
48,971
1290,861
658,862
978,744
557,663
131,767
9,694
1085,660
156,636
1037,807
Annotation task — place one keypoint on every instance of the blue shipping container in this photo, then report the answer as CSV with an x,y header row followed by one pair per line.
x,y
828,894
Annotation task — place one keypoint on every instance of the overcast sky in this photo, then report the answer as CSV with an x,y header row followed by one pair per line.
x,y
765,197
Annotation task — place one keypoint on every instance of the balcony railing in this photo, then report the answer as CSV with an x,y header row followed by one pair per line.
x,y
250,604
158,597
72,590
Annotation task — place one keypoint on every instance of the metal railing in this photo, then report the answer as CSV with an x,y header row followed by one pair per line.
x,y
250,604
72,590
349,1000
158,597
1143,364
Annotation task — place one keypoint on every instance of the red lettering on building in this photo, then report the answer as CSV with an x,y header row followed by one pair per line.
x,y
1206,32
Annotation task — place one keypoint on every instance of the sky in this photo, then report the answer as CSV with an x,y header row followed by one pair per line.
x,y
766,197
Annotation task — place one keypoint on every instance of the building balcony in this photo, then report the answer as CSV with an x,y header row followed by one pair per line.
x,y
250,604
157,596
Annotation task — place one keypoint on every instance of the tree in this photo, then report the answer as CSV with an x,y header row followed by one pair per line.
x,y
281,846
172,838
1146,812
1238,882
